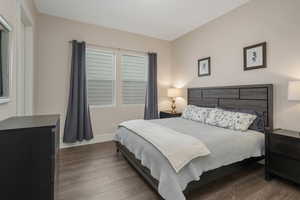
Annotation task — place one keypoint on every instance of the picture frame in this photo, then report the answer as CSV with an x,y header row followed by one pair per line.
x,y
255,56
204,67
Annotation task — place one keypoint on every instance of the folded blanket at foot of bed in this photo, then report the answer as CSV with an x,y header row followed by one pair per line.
x,y
178,148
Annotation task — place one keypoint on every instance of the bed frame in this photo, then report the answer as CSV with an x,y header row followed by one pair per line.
x,y
253,97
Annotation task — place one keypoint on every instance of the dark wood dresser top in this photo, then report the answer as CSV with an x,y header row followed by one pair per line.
x,y
14,123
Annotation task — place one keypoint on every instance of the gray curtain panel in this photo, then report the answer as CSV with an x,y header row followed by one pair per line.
x,y
1,65
78,123
151,105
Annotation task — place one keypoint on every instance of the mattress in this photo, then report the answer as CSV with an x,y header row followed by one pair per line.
x,y
226,147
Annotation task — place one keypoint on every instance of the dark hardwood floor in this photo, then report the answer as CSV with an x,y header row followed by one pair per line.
x,y
95,172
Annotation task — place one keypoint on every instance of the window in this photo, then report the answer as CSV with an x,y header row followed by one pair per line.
x,y
134,78
101,78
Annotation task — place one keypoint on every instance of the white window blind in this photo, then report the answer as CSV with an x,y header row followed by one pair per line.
x,y
101,78
134,78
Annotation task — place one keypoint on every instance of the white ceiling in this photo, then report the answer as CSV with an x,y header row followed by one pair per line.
x,y
163,19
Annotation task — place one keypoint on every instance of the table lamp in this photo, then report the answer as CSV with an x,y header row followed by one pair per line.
x,y
173,93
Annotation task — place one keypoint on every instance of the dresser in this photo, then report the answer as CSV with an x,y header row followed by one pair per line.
x,y
29,150
168,114
283,155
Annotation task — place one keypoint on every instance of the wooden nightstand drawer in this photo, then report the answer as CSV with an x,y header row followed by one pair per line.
x,y
285,167
284,145
168,114
283,154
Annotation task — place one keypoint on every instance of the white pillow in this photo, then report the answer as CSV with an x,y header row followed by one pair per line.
x,y
196,113
230,120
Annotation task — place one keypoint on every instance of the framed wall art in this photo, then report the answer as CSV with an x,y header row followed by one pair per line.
x,y
255,56
204,67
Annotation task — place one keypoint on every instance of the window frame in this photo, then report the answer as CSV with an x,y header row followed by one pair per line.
x,y
114,88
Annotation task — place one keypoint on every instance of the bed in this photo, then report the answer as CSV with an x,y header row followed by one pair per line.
x,y
239,148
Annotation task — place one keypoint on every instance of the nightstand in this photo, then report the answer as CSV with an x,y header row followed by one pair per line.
x,y
283,155
168,114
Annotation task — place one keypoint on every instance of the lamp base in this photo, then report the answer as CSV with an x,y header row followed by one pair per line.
x,y
173,106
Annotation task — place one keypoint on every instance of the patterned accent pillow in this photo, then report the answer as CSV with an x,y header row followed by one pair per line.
x,y
258,124
230,120
196,113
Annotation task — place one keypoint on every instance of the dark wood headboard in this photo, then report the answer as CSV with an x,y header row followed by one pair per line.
x,y
252,97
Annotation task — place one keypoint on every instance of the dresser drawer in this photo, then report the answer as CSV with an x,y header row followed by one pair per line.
x,y
285,167
287,146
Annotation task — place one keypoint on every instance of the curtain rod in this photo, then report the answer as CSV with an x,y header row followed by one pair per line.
x,y
110,47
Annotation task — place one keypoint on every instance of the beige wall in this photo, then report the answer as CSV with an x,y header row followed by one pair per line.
x,y
9,10
274,21
53,71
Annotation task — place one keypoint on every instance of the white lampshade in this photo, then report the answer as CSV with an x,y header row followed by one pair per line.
x,y
174,92
294,91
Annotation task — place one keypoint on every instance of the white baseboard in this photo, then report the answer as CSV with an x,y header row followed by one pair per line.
x,y
98,138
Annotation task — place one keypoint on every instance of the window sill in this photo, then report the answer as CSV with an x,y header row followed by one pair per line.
x,y
4,100
119,106
132,105
99,106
